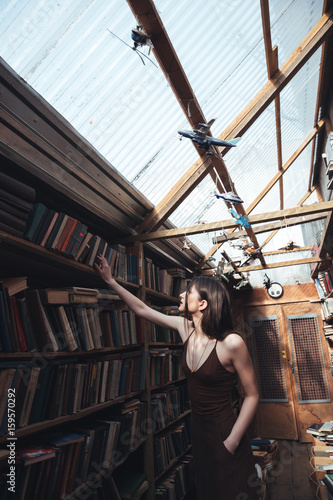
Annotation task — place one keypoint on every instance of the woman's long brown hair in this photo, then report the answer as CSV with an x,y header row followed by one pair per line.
x,y
216,320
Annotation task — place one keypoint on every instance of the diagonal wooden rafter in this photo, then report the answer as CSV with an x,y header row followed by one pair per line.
x,y
272,67
242,122
148,17
230,223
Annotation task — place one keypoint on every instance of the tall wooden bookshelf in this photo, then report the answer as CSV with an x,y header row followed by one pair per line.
x,y
39,148
46,268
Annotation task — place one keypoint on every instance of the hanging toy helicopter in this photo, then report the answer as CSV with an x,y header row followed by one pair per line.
x,y
140,39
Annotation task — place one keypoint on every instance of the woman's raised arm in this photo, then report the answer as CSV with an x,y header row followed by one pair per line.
x,y
138,306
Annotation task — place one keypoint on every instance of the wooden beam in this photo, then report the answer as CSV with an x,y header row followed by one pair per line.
x,y
147,16
285,167
244,120
288,213
288,70
273,265
274,226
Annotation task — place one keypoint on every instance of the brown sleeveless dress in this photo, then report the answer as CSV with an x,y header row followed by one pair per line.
x,y
218,474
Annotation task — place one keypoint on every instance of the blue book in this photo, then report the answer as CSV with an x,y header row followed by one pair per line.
x,y
114,328
4,331
35,220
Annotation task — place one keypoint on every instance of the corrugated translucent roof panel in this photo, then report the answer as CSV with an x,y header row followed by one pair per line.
x,y
291,21
128,111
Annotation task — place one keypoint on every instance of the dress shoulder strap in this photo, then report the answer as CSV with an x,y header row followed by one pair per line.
x,y
189,335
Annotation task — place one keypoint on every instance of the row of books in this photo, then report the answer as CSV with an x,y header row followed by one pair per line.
x,y
65,461
63,320
178,482
161,334
168,405
64,387
170,446
68,236
171,281
165,365
16,202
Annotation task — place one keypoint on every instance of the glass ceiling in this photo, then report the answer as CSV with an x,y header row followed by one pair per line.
x,y
72,53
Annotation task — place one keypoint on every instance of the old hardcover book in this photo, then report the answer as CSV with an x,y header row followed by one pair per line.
x,y
15,285
76,239
71,342
35,220
54,231
41,326
54,296
59,232
12,220
29,397
70,222
19,328
26,323
49,229
44,226
83,245
14,200
16,187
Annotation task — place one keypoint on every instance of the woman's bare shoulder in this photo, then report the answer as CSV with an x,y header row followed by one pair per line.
x,y
233,341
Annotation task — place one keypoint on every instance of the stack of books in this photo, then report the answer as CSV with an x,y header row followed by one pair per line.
x,y
16,202
322,432
265,452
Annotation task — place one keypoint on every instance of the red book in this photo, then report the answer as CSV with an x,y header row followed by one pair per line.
x,y
68,226
68,236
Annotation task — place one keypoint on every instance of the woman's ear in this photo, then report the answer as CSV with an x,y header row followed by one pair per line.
x,y
203,304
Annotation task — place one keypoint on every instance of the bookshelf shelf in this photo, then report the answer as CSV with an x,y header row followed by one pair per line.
x,y
91,484
173,462
156,387
48,424
70,354
161,297
181,417
166,344
14,247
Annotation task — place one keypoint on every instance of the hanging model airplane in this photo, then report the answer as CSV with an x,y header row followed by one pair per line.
x,y
204,141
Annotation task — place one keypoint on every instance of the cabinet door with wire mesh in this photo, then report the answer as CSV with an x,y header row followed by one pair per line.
x,y
309,365
276,413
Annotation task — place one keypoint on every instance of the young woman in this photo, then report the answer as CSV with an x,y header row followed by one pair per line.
x,y
214,355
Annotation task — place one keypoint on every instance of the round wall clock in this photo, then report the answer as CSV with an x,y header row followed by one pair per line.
x,y
275,290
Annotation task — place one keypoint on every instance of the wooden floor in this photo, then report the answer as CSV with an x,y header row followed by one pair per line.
x,y
290,479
